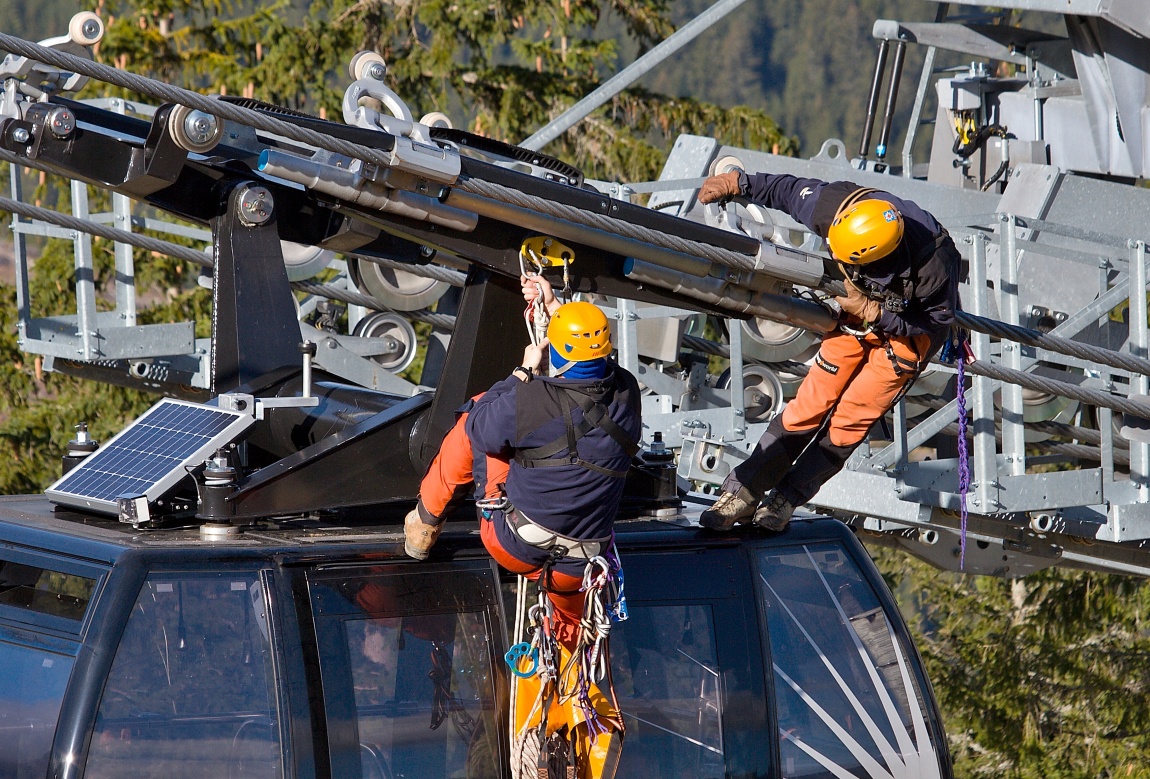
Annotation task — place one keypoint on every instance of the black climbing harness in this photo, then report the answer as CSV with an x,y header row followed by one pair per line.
x,y
595,415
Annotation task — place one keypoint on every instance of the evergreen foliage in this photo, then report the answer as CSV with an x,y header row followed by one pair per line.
x,y
1038,677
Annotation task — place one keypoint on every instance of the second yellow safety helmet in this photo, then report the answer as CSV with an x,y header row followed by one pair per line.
x,y
580,331
864,231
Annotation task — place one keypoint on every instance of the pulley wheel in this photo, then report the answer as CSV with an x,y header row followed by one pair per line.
x,y
361,63
396,289
436,119
193,130
398,331
303,261
762,393
86,29
776,342
725,164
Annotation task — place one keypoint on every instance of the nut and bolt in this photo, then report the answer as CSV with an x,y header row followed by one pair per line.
x,y
21,135
376,70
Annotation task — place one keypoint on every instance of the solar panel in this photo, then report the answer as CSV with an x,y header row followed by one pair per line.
x,y
148,456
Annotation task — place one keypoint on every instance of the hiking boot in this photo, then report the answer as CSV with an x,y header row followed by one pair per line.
x,y
418,536
775,513
732,508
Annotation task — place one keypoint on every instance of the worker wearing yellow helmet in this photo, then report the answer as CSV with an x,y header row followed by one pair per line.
x,y
549,447
900,269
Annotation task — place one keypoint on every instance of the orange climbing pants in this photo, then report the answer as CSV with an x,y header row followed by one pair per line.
x,y
858,375
452,471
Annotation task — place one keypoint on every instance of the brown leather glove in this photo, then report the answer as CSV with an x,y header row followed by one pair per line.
x,y
859,305
720,187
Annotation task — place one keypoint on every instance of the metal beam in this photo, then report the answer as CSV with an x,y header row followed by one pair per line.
x,y
630,74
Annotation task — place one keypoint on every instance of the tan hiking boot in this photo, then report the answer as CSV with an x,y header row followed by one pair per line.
x,y
732,508
419,536
775,513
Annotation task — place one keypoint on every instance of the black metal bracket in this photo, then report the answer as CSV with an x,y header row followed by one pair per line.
x,y
254,326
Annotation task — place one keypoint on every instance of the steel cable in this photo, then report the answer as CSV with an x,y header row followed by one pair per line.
x,y
103,231
606,223
174,94
442,321
189,254
1139,407
1034,338
435,272
1079,451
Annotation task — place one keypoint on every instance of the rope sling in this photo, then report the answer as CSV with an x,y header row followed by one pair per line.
x,y
564,680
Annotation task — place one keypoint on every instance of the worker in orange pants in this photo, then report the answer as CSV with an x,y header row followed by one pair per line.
x,y
549,455
900,270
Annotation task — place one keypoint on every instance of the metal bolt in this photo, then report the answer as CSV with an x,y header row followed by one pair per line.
x,y
255,205
200,127
61,122
426,251
376,70
90,28
21,135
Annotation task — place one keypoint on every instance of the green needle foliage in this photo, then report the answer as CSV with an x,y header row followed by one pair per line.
x,y
1043,676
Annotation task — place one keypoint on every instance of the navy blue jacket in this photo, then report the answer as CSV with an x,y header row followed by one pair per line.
x,y
933,275
572,500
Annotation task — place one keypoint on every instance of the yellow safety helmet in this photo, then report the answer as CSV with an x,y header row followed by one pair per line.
x,y
864,231
580,331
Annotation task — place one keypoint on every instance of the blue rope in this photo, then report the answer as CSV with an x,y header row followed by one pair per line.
x,y
963,455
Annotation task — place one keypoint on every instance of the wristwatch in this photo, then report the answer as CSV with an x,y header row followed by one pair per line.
x,y
527,372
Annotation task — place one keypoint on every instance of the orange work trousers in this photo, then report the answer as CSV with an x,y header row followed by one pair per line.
x,y
450,472
856,378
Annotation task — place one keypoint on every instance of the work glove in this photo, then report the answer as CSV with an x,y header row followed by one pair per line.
x,y
721,187
858,305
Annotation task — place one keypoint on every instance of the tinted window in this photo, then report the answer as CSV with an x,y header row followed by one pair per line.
x,y
848,703
44,591
32,683
190,691
666,678
407,663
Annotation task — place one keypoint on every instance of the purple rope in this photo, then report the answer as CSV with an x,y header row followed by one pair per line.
x,y
963,456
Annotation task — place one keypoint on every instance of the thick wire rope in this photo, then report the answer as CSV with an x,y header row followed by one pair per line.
x,y
443,321
174,94
1136,407
435,272
607,224
103,231
1034,338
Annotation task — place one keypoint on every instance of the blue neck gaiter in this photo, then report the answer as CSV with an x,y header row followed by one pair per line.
x,y
587,369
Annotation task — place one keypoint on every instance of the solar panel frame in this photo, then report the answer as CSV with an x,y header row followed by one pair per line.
x,y
148,456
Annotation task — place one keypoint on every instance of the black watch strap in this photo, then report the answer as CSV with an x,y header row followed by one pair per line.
x,y
527,372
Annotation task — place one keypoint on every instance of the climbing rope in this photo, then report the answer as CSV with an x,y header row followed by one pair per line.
x,y
963,457
535,315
